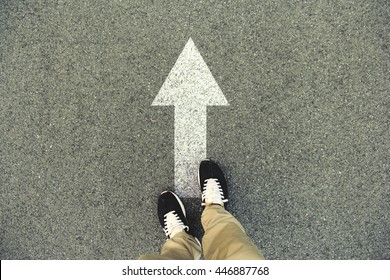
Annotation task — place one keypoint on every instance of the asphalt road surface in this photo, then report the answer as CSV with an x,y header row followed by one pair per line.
x,y
304,141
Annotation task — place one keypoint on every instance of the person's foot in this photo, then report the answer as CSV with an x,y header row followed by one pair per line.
x,y
212,183
172,214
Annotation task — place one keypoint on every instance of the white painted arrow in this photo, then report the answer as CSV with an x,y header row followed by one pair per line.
x,y
190,87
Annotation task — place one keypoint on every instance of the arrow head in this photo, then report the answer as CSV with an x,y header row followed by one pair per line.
x,y
190,82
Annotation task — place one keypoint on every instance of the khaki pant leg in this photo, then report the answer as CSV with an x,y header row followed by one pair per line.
x,y
182,246
225,238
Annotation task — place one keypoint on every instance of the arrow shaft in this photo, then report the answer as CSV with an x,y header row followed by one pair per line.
x,y
190,147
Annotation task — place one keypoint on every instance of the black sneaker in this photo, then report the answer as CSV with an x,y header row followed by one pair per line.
x,y
172,214
212,183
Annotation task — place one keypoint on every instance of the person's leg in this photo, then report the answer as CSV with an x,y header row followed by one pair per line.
x,y
181,244
224,236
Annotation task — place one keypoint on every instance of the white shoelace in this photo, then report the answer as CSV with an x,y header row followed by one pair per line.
x,y
212,192
173,224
